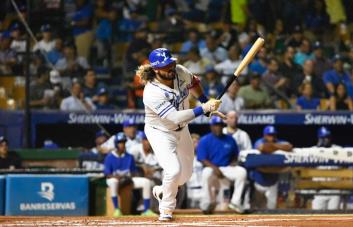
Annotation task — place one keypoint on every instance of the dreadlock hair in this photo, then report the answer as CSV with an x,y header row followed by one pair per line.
x,y
146,73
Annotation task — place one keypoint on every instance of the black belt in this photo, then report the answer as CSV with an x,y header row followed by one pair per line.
x,y
178,129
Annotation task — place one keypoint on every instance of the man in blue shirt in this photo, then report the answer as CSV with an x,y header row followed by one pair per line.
x,y
267,183
218,153
118,164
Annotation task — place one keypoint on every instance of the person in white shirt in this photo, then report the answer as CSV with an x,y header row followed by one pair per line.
x,y
77,101
46,44
18,43
230,100
195,63
241,137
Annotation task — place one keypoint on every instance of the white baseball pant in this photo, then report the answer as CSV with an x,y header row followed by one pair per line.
x,y
175,154
139,183
270,194
210,181
326,202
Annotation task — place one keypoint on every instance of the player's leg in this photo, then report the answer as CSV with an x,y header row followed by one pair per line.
x,y
113,187
144,184
239,176
333,202
209,184
271,196
185,153
164,147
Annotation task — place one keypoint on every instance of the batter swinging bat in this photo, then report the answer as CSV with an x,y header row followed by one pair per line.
x,y
246,60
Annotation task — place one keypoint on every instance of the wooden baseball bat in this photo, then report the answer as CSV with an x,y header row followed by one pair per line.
x,y
246,60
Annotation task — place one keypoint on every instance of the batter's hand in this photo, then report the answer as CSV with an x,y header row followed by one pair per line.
x,y
219,114
211,105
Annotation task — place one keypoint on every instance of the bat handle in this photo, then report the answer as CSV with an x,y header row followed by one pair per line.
x,y
230,81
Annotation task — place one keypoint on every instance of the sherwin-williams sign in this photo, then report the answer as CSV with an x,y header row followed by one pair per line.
x,y
46,195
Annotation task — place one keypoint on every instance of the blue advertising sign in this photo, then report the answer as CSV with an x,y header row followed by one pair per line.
x,y
2,194
46,195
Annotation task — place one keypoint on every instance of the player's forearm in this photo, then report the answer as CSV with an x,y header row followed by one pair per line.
x,y
182,116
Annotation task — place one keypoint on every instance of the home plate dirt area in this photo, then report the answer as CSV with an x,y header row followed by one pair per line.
x,y
186,220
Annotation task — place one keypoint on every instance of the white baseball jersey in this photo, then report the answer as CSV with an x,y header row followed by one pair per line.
x,y
109,144
140,156
242,138
161,100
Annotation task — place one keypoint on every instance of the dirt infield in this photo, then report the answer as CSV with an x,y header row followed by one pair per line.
x,y
184,220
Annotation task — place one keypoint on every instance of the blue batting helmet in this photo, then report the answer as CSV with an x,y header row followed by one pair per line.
x,y
160,58
215,120
270,130
323,132
120,137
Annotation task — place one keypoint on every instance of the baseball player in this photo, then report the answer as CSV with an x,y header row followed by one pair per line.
x,y
241,137
218,153
167,114
131,133
117,164
326,202
267,183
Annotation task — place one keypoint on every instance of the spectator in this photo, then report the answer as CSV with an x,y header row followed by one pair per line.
x,y
290,71
335,76
230,100
77,101
341,100
317,19
8,160
46,44
273,78
94,158
57,52
303,53
194,41
240,136
306,101
254,96
194,185
295,39
212,85
321,64
102,102
59,92
227,67
327,201
40,90
18,43
7,55
267,183
119,164
173,25
71,65
308,76
196,63
259,65
82,27
218,153
131,133
277,38
90,85
239,12
212,51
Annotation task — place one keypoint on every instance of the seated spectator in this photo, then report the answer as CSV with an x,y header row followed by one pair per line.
x,y
46,44
7,55
335,76
127,26
273,78
94,158
254,96
173,25
341,100
18,43
8,160
193,41
296,37
90,86
77,101
40,90
58,90
303,53
218,153
57,52
102,102
194,185
195,63
267,183
240,136
227,67
71,65
211,84
212,51
231,101
259,65
306,101
321,63
119,164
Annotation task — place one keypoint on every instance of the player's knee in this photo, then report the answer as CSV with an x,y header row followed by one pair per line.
x,y
112,182
207,172
173,174
241,172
